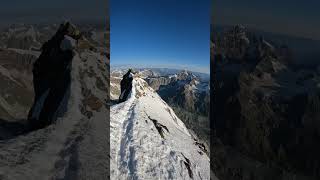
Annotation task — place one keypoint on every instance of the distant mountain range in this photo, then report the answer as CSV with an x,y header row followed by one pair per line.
x,y
305,51
32,36
265,107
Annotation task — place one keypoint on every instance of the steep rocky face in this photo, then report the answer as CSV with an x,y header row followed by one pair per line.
x,y
156,82
186,91
233,43
265,109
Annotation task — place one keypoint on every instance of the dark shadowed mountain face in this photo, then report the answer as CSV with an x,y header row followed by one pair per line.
x,y
265,110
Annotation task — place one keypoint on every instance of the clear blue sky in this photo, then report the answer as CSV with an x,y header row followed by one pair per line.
x,y
290,17
160,32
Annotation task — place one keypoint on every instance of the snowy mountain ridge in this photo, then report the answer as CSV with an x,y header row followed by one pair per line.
x,y
73,146
149,141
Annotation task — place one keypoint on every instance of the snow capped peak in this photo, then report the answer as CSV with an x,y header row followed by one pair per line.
x,y
148,141
185,75
146,73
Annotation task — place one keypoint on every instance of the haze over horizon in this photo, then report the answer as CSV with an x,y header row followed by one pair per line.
x,y
288,17
197,69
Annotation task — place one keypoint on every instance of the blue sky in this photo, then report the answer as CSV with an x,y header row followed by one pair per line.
x,y
291,17
173,33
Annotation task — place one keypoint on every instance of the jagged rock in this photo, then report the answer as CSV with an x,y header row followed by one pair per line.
x,y
160,128
156,82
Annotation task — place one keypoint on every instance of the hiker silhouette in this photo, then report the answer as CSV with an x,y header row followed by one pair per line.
x,y
126,86
52,76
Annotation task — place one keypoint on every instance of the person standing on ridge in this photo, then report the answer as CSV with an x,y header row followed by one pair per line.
x,y
126,85
52,75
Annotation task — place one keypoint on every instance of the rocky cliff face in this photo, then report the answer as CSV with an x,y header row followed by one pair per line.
x,y
156,82
264,108
183,88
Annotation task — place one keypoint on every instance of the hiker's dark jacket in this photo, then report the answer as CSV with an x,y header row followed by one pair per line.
x,y
126,86
51,80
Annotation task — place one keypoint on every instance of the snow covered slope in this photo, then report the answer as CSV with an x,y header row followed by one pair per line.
x,y
75,147
148,141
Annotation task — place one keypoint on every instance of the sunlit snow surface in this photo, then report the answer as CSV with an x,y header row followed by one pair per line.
x,y
137,149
